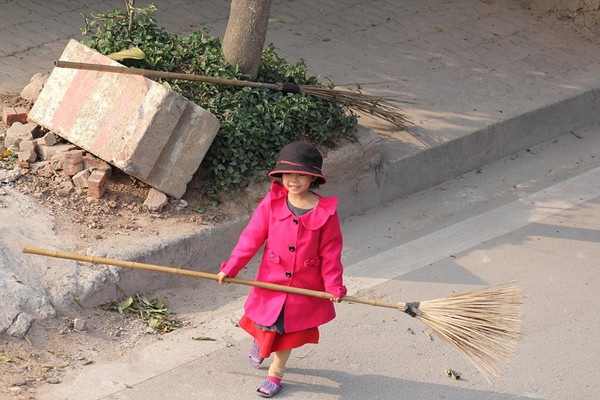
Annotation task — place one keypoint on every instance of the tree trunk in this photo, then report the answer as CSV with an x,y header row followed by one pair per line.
x,y
245,34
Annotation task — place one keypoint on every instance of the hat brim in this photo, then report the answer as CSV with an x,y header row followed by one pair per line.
x,y
290,169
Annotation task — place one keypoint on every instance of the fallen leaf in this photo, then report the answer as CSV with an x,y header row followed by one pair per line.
x,y
428,335
206,338
409,330
5,359
79,302
15,279
125,304
452,374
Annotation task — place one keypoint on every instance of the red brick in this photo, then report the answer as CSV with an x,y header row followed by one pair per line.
x,y
80,179
97,183
94,163
73,162
10,115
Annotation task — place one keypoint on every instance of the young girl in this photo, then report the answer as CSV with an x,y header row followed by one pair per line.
x,y
303,249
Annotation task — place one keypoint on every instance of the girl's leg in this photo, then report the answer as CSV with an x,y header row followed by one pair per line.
x,y
271,386
277,368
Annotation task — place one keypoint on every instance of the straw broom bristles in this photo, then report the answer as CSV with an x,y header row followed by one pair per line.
x,y
485,325
377,107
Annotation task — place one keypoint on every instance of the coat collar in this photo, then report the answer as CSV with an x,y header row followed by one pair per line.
x,y
312,220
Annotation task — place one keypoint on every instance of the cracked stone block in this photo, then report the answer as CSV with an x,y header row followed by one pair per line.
x,y
139,126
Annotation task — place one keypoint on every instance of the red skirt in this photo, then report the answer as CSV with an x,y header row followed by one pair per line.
x,y
271,341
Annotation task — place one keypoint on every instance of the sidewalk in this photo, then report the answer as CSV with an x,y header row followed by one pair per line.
x,y
486,79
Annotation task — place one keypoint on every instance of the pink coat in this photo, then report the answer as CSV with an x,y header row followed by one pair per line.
x,y
302,251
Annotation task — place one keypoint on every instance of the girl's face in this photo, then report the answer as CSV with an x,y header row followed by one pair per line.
x,y
297,184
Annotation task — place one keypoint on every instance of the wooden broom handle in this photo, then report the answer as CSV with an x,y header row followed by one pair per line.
x,y
171,75
206,275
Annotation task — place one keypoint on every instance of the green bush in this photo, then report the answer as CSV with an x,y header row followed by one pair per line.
x,y
255,123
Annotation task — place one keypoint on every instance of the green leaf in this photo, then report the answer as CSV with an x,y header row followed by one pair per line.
x,y
276,21
155,323
133,53
79,302
160,303
125,304
145,300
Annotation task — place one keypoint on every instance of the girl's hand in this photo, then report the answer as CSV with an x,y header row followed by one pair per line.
x,y
336,299
222,276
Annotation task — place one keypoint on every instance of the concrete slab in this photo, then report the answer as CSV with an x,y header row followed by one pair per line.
x,y
136,124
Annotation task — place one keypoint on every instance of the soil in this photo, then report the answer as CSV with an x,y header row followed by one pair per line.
x,y
121,207
53,347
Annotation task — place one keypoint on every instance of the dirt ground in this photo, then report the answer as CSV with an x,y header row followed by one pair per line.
x,y
53,347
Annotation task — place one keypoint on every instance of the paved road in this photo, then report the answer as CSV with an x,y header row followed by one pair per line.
x,y
488,79
532,217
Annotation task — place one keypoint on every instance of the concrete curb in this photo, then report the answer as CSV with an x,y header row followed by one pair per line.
x,y
403,175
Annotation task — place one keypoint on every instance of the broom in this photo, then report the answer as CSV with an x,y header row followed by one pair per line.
x,y
485,325
377,107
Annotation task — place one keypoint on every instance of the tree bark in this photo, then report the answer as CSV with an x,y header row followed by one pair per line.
x,y
245,34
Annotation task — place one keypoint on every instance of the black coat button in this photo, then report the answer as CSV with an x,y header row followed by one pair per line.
x,y
292,249
295,221
288,274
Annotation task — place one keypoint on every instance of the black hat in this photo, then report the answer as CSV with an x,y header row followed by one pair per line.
x,y
299,158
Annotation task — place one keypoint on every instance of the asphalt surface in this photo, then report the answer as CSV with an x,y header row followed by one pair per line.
x,y
530,218
486,80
